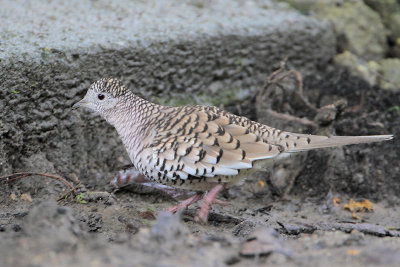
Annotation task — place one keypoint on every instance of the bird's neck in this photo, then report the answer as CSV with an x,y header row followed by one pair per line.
x,y
133,122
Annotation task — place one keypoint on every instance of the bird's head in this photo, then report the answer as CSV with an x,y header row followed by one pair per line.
x,y
104,95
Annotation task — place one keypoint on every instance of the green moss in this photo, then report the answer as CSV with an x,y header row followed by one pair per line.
x,y
34,84
390,74
149,222
228,96
394,108
151,208
80,198
304,6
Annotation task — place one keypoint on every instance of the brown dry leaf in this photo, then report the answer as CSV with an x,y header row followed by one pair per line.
x,y
26,197
260,183
336,201
353,252
355,216
355,206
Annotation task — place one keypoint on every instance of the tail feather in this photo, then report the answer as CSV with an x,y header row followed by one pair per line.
x,y
317,141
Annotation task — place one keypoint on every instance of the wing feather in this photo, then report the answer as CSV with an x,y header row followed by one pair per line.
x,y
208,146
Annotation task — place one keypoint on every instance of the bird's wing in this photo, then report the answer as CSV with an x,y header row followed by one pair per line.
x,y
201,143
205,142
294,142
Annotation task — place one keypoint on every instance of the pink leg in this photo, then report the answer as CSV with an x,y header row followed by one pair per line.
x,y
133,176
126,177
220,202
186,203
209,199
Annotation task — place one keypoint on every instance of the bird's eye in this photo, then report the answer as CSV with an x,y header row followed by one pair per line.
x,y
100,96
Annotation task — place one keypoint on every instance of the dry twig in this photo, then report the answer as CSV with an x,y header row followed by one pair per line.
x,y
279,75
15,176
358,107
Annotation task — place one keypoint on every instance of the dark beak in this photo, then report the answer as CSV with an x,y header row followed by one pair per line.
x,y
76,105
79,104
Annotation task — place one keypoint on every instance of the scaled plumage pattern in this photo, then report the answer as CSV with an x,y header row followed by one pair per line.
x,y
196,147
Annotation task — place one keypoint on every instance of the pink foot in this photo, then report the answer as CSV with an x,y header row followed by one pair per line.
x,y
210,198
186,203
133,177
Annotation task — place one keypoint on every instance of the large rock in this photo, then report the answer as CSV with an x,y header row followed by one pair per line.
x,y
385,73
52,51
359,29
389,10
390,74
366,70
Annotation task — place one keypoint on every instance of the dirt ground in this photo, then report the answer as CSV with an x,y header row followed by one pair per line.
x,y
294,214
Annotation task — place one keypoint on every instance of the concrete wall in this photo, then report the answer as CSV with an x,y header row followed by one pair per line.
x,y
169,52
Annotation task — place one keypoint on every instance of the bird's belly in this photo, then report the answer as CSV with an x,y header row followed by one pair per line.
x,y
207,183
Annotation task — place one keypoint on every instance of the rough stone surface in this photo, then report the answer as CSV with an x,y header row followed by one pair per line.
x,y
358,67
384,73
307,6
358,28
389,12
51,52
390,74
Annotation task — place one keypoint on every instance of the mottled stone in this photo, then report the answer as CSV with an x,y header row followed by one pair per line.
x,y
359,29
390,71
358,67
389,10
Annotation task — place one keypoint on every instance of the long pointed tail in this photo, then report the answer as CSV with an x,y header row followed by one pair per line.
x,y
302,142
